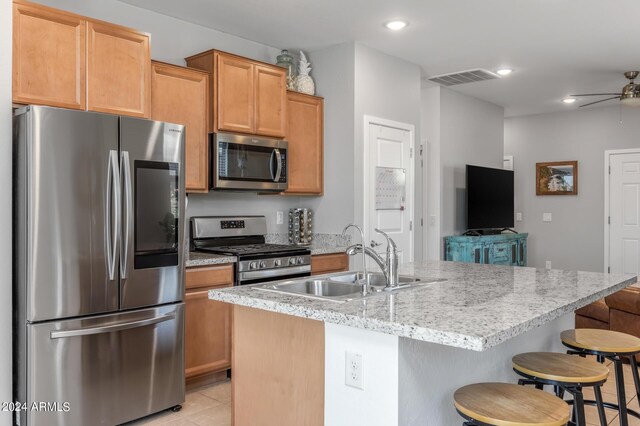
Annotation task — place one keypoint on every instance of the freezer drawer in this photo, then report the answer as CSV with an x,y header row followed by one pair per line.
x,y
110,369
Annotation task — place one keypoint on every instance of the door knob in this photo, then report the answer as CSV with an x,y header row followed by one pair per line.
x,y
375,243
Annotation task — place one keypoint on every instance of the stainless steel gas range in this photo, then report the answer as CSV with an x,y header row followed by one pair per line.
x,y
244,237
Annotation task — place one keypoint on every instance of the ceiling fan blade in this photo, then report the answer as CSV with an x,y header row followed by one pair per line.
x,y
597,94
597,102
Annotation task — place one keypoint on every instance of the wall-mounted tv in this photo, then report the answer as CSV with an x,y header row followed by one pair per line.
x,y
490,202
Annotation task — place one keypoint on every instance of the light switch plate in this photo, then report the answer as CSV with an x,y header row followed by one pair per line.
x,y
279,218
518,217
547,217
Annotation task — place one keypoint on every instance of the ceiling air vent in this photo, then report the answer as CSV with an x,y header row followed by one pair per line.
x,y
463,77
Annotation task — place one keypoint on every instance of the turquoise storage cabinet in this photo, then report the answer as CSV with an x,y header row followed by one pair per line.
x,y
500,249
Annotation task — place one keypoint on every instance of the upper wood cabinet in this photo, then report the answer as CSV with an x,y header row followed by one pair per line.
x,y
306,145
270,101
66,60
118,70
234,103
48,57
181,95
247,96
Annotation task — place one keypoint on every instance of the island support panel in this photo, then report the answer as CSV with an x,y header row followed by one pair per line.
x,y
278,369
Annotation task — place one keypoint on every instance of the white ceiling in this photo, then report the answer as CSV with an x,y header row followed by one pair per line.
x,y
556,47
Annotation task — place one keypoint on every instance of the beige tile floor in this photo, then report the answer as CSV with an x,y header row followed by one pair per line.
x,y
211,405
206,406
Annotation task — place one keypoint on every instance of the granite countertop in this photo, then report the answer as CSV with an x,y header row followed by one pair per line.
x,y
477,307
205,259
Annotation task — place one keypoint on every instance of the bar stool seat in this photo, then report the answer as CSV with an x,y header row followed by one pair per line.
x,y
604,341
560,368
565,373
505,404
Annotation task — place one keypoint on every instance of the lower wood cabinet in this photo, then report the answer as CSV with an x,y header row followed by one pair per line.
x,y
207,323
329,263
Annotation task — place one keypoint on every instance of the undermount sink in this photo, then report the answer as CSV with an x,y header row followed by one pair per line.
x,y
341,287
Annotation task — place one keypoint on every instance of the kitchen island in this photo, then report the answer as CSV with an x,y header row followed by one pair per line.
x,y
416,345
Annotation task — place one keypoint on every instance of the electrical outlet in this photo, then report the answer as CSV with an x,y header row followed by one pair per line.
x,y
353,371
518,217
547,217
547,264
432,220
279,218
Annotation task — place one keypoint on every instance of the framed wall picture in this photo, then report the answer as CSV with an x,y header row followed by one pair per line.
x,y
557,178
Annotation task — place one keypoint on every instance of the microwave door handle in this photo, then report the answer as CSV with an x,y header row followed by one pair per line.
x,y
279,162
128,201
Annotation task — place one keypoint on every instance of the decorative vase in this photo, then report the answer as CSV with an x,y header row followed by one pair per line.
x,y
304,82
285,60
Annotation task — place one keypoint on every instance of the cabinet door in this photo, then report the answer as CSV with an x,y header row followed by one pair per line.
x,y
270,101
207,334
306,145
234,94
48,57
119,70
500,253
181,95
328,263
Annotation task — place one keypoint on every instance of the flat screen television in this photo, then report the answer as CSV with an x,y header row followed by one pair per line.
x,y
489,198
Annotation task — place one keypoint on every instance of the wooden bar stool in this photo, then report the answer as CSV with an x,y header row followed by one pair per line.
x,y
505,404
614,346
565,373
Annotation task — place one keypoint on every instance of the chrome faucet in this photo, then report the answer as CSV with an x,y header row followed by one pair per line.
x,y
365,279
389,266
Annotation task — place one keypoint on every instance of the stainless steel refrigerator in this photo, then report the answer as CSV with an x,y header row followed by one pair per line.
x,y
98,267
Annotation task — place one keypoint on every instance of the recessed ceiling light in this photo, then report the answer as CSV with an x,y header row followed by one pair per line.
x,y
396,25
569,100
504,71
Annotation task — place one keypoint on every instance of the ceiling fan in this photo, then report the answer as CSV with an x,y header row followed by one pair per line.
x,y
630,93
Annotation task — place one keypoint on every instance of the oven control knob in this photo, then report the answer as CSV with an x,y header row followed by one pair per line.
x,y
253,265
263,264
300,261
292,261
277,262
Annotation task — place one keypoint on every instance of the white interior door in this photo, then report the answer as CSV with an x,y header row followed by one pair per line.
x,y
624,211
390,152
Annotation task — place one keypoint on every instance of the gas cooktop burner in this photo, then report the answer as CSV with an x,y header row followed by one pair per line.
x,y
252,249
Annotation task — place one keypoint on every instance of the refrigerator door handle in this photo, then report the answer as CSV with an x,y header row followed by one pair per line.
x,y
113,212
111,328
128,201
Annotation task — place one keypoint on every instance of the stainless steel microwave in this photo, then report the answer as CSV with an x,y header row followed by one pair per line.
x,y
248,163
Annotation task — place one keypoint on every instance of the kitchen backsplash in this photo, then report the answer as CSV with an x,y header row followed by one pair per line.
x,y
334,240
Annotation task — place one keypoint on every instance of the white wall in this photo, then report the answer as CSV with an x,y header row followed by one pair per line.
x,y
432,178
472,132
460,130
333,72
575,238
5,212
386,87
